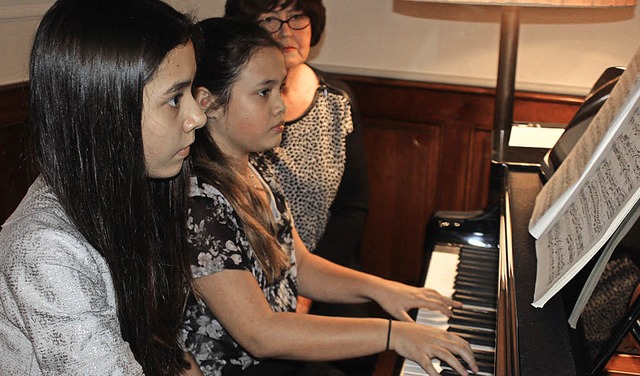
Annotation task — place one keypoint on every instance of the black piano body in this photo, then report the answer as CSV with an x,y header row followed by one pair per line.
x,y
529,341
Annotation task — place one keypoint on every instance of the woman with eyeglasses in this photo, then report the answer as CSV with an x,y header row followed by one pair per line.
x,y
321,162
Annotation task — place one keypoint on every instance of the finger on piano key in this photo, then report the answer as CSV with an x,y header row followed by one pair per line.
x,y
485,369
478,301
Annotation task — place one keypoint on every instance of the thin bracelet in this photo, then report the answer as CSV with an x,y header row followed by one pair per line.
x,y
388,335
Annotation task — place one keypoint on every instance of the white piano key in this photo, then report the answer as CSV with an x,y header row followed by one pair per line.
x,y
441,277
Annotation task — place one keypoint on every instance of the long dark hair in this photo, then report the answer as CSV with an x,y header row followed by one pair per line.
x,y
225,48
90,62
249,10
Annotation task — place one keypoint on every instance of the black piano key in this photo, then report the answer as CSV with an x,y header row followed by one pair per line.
x,y
485,357
477,292
473,323
483,260
471,330
474,297
474,313
471,248
477,280
473,289
475,274
461,284
482,367
464,253
475,339
474,300
482,352
477,271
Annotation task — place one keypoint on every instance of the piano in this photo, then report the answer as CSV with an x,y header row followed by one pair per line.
x,y
487,260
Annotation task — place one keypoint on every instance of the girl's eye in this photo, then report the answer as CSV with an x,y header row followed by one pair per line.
x,y
264,92
175,101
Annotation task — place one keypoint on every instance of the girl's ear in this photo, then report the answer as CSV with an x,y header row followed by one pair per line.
x,y
206,100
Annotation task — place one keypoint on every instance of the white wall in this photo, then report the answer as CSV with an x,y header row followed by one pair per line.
x,y
560,51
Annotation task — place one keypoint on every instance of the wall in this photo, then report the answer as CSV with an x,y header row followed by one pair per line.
x,y
560,51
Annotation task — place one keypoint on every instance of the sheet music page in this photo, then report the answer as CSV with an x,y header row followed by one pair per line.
x,y
600,203
596,273
576,166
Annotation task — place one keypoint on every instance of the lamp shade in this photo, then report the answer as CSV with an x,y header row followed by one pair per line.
x,y
541,3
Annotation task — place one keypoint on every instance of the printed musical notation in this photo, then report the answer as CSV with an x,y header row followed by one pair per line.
x,y
592,192
589,147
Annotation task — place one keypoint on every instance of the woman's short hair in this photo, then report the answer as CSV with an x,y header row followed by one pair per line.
x,y
249,10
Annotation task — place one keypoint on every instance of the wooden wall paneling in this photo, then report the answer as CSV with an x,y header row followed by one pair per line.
x,y
402,162
457,174
477,184
454,166
16,174
548,108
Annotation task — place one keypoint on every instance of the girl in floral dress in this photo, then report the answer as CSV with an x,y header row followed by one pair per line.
x,y
248,261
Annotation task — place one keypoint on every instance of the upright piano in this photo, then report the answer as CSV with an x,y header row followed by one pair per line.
x,y
487,260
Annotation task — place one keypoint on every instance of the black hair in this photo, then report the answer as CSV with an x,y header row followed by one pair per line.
x,y
249,10
90,62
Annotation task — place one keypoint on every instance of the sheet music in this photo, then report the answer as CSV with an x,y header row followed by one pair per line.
x,y
602,199
562,185
598,269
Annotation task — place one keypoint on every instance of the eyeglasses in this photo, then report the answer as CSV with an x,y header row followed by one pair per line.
x,y
296,22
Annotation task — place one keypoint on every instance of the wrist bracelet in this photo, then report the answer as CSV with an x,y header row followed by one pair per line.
x,y
388,335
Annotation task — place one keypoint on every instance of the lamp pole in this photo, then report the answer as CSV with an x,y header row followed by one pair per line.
x,y
505,86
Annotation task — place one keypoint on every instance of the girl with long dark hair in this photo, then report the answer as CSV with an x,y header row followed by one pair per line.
x,y
94,275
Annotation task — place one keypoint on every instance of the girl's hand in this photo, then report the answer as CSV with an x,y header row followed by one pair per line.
x,y
397,299
422,343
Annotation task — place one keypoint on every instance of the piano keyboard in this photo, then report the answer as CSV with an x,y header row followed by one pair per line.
x,y
467,274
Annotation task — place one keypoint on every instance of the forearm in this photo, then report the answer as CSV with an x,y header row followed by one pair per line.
x,y
325,281
319,338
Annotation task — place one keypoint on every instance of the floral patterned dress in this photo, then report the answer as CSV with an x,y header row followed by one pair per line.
x,y
218,242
